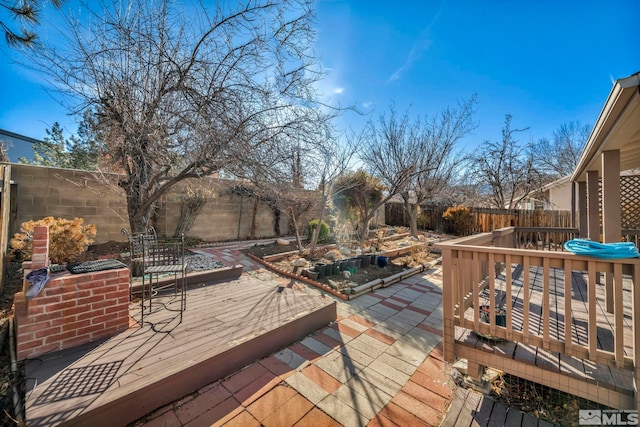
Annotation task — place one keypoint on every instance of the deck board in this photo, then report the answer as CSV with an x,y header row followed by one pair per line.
x,y
224,327
608,376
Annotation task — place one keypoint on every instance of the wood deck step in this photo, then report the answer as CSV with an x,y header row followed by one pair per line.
x,y
225,327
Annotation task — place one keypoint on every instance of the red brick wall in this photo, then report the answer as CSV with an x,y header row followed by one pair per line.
x,y
72,309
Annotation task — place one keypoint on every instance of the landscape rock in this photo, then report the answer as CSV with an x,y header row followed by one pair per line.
x,y
346,274
300,262
345,251
282,242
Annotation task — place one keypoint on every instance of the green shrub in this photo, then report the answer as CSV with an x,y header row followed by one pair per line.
x,y
323,233
67,238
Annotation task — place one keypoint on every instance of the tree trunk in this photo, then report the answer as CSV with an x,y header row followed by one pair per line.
x,y
412,214
294,222
316,232
276,221
254,214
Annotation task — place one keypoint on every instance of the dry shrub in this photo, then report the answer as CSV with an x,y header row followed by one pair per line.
x,y
67,238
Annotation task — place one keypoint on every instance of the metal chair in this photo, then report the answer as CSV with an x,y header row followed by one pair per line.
x,y
137,241
165,267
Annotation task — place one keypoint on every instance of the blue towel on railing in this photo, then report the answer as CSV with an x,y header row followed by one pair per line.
x,y
602,250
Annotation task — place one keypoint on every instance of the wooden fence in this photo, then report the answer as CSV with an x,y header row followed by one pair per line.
x,y
484,219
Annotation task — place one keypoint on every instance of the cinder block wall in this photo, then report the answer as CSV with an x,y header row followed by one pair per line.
x,y
72,309
66,193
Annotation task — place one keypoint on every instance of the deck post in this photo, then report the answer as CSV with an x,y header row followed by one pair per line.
x,y
611,230
636,329
448,291
582,209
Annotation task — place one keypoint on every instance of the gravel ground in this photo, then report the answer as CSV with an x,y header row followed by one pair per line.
x,y
198,262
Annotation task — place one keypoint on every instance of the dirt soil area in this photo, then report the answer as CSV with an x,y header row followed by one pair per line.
x,y
324,254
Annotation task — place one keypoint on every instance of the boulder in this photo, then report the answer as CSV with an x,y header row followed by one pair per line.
x,y
346,274
282,242
345,251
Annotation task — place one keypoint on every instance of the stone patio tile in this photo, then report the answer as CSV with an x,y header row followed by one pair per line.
x,y
363,301
398,364
356,401
257,388
276,366
387,339
166,419
438,352
342,413
400,301
430,329
353,325
309,389
374,316
292,359
383,310
421,410
315,345
243,419
387,331
355,355
316,418
346,329
376,396
401,416
361,320
246,376
320,377
368,345
340,368
396,325
389,371
433,367
381,421
418,309
391,305
328,340
379,381
290,413
440,387
202,403
407,352
420,393
268,403
410,317
421,339
218,415
337,335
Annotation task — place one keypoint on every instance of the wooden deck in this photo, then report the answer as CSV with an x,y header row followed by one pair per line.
x,y
225,327
472,409
534,362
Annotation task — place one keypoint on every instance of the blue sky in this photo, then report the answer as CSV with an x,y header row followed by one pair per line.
x,y
544,62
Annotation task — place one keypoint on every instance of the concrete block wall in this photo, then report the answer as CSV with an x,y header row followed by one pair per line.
x,y
71,309
67,193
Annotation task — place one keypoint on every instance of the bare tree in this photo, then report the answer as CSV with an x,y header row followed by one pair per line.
x,y
558,157
414,157
334,158
437,137
358,195
185,93
505,168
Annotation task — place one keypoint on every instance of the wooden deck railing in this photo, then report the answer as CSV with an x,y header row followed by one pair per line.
x,y
474,267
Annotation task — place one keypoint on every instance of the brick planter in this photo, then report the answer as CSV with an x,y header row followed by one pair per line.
x,y
72,309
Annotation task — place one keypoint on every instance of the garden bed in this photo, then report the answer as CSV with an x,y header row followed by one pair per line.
x,y
405,258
